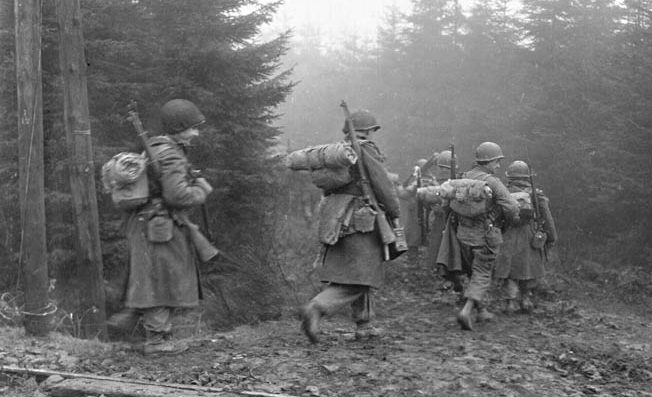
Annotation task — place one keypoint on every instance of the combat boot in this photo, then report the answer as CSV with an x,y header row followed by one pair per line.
x,y
161,343
364,330
124,320
464,317
310,317
511,306
485,315
526,304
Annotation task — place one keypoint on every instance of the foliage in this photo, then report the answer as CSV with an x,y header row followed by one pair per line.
x,y
153,51
560,84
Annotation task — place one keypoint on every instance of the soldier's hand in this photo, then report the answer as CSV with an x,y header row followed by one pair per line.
x,y
203,183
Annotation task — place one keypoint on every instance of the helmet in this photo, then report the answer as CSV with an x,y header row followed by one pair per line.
x,y
518,169
488,151
421,162
444,159
362,120
180,114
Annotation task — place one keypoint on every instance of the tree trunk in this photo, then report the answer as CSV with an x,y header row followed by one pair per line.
x,y
92,313
33,248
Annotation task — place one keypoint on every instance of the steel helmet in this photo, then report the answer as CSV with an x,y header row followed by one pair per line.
x,y
444,159
421,162
518,169
178,115
362,120
488,151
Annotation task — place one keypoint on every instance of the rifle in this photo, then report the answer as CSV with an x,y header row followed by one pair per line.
x,y
388,234
426,166
540,236
422,210
453,162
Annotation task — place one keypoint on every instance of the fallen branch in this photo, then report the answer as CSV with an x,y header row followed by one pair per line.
x,y
71,375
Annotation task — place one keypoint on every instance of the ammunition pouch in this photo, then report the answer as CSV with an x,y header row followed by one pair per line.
x,y
364,219
160,229
539,239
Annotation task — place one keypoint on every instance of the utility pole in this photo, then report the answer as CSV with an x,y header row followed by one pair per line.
x,y
92,313
33,247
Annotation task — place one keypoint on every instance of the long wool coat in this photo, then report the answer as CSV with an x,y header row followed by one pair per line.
x,y
357,257
517,259
165,273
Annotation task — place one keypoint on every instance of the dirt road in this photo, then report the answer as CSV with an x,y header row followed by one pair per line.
x,y
564,348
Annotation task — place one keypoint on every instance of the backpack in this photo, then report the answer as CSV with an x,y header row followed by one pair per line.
x,y
125,177
467,197
525,205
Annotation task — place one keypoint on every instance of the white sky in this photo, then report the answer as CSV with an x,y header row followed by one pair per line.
x,y
334,19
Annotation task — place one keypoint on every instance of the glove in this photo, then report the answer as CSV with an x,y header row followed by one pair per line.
x,y
203,184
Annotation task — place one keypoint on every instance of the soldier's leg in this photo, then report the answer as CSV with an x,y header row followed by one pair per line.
x,y
158,326
330,300
483,262
511,292
526,287
363,313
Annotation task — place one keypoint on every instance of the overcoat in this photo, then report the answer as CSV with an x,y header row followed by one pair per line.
x,y
356,258
164,273
517,259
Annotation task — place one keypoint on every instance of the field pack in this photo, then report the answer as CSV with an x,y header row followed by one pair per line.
x,y
125,177
328,164
467,197
525,205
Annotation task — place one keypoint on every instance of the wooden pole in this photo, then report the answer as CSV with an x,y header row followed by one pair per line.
x,y
33,248
92,313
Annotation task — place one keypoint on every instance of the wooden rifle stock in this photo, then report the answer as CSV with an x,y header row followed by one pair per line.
x,y
538,221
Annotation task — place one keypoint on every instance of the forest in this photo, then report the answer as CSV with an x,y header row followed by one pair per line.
x,y
563,85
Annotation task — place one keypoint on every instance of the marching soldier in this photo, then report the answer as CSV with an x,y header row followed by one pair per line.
x,y
480,237
162,242
407,193
437,221
520,265
352,266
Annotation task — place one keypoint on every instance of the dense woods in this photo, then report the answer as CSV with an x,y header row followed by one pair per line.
x,y
566,86
560,84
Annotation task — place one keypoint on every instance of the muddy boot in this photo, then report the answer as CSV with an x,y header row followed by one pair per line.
x,y
485,315
161,343
511,307
464,317
526,304
364,330
124,320
310,322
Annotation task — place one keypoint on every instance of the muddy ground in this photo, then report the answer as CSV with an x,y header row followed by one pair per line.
x,y
575,343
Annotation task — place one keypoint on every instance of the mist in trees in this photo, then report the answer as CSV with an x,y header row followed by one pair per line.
x,y
562,85
565,86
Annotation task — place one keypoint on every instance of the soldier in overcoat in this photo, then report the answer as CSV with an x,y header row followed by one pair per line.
x,y
407,195
162,241
351,263
520,265
480,237
437,220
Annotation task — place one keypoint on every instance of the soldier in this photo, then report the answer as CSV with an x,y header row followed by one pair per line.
x,y
520,265
437,221
480,237
407,193
353,265
163,272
